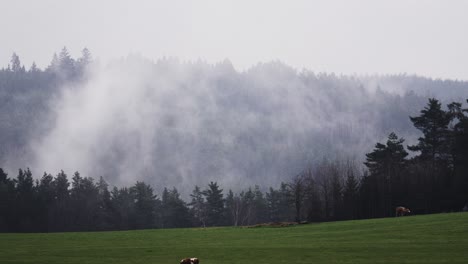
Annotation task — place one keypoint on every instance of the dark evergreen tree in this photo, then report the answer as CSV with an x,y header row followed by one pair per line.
x,y
232,209
433,123
247,207
147,205
61,209
389,159
215,204
46,200
273,198
459,189
287,209
312,204
260,206
7,202
85,203
123,209
350,196
198,207
175,212
434,162
369,197
297,190
337,197
387,163
104,219
26,202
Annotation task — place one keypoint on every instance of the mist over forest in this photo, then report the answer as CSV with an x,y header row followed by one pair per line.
x,y
175,123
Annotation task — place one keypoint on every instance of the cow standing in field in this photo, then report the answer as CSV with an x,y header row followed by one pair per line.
x,y
189,261
401,211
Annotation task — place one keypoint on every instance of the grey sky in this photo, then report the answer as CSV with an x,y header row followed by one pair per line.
x,y
423,37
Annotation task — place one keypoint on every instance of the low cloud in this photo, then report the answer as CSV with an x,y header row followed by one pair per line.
x,y
179,124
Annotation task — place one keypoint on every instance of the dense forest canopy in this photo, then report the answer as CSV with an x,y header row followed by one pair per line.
x,y
172,123
266,145
434,180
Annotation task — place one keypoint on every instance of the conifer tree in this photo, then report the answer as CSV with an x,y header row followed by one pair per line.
x,y
386,164
146,205
198,207
350,196
174,210
215,204
433,122
15,63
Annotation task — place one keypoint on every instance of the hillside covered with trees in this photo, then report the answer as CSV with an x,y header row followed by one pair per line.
x,y
274,145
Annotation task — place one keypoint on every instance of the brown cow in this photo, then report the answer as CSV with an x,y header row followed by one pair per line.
x,y
189,261
401,211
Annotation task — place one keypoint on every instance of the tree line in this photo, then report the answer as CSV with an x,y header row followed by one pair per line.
x,y
237,120
428,177
26,95
434,179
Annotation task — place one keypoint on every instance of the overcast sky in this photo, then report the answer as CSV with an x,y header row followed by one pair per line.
x,y
424,37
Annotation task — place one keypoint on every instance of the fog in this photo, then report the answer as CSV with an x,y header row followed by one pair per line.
x,y
341,36
174,123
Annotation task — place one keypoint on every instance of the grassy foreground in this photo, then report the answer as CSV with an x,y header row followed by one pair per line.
x,y
441,238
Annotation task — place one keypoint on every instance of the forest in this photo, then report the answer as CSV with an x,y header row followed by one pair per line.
x,y
429,175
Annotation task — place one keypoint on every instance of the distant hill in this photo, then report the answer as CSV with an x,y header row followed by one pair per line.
x,y
180,124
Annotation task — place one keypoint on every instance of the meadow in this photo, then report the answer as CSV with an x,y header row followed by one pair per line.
x,y
438,238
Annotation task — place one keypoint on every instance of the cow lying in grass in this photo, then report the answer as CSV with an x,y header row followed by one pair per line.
x,y
189,261
401,211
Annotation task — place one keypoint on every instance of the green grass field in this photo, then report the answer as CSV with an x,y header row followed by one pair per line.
x,y
440,238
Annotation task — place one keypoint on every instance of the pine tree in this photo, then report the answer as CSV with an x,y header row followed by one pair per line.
x,y
46,195
337,196
231,207
297,190
312,200
16,63
247,207
104,211
261,209
34,68
286,202
84,200
198,207
460,156
7,202
387,159
215,204
123,209
61,210
83,62
386,164
174,210
435,161
67,65
86,58
26,202
146,205
273,198
54,65
350,196
433,123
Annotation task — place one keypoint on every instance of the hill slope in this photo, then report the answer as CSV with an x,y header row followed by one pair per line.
x,y
181,124
438,238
